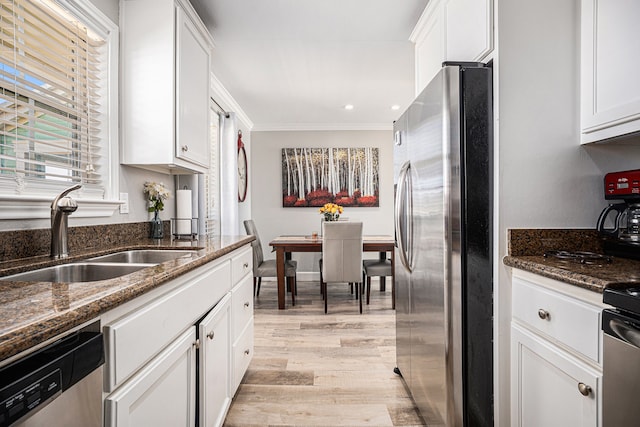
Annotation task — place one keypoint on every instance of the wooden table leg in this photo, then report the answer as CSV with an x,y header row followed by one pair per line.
x,y
280,271
383,279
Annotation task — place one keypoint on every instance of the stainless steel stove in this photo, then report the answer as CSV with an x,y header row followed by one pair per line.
x,y
621,356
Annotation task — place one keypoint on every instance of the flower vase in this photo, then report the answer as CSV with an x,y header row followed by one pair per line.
x,y
157,229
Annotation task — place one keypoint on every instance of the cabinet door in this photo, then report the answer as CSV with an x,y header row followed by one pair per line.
x,y
192,93
215,364
162,393
469,29
428,37
134,339
610,87
545,385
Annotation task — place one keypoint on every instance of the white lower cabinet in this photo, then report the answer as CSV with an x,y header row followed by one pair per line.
x,y
556,353
215,364
160,394
242,329
153,342
548,385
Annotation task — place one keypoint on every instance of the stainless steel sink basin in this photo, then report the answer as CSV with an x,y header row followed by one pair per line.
x,y
147,256
77,272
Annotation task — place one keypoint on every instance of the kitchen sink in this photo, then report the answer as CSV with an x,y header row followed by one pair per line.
x,y
145,256
77,272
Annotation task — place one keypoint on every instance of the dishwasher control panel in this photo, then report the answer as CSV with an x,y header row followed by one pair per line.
x,y
28,394
31,382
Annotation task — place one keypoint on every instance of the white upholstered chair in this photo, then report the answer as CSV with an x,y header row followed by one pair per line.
x,y
267,268
341,255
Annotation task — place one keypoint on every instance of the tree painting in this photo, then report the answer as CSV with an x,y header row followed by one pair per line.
x,y
315,176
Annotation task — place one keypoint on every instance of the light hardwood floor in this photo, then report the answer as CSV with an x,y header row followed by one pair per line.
x,y
316,369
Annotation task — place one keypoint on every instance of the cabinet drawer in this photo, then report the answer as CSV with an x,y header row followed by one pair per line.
x,y
241,264
242,305
572,322
242,354
136,338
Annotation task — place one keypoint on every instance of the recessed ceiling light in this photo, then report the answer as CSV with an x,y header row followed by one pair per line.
x,y
348,107
395,107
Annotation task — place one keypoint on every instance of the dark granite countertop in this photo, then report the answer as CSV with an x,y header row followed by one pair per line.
x,y
32,312
527,247
620,272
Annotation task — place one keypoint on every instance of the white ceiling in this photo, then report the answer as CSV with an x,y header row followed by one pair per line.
x,y
294,64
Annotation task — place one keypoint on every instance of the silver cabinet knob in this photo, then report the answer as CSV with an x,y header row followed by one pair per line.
x,y
185,148
544,314
210,335
584,389
246,304
246,352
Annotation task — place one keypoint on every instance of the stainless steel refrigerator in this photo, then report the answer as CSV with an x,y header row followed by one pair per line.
x,y
443,224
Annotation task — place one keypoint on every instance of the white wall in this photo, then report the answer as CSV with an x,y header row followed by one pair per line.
x,y
273,220
545,178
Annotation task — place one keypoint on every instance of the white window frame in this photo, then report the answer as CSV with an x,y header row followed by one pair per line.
x,y
37,204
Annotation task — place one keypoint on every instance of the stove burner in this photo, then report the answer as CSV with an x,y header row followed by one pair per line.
x,y
579,257
634,292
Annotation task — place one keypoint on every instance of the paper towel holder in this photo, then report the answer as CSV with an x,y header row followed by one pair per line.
x,y
181,236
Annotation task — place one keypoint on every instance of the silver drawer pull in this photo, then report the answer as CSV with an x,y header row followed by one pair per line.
x,y
210,335
246,352
245,265
185,148
246,304
544,314
584,389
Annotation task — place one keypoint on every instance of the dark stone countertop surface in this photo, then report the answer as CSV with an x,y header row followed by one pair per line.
x,y
527,248
33,312
620,272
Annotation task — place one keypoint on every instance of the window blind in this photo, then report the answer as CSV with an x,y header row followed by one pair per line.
x,y
50,78
212,178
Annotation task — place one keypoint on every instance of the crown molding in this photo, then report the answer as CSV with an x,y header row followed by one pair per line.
x,y
222,96
280,127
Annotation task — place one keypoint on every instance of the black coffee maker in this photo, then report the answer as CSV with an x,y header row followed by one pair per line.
x,y
624,238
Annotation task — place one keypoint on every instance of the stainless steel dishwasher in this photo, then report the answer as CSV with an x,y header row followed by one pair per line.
x,y
621,357
57,385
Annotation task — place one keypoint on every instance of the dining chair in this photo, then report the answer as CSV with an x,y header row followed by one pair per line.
x,y
268,268
341,256
378,268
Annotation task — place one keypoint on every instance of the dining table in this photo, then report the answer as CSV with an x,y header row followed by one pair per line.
x,y
284,246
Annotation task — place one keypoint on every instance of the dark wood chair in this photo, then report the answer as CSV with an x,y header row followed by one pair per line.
x,y
378,268
267,268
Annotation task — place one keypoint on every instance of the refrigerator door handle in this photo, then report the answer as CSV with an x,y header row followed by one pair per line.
x,y
402,204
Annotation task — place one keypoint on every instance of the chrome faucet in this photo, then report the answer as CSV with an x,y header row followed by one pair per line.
x,y
61,207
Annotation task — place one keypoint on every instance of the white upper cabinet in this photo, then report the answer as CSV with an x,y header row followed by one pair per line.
x,y
469,29
428,36
165,59
451,30
610,58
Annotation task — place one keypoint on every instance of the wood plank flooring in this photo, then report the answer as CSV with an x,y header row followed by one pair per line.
x,y
316,369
